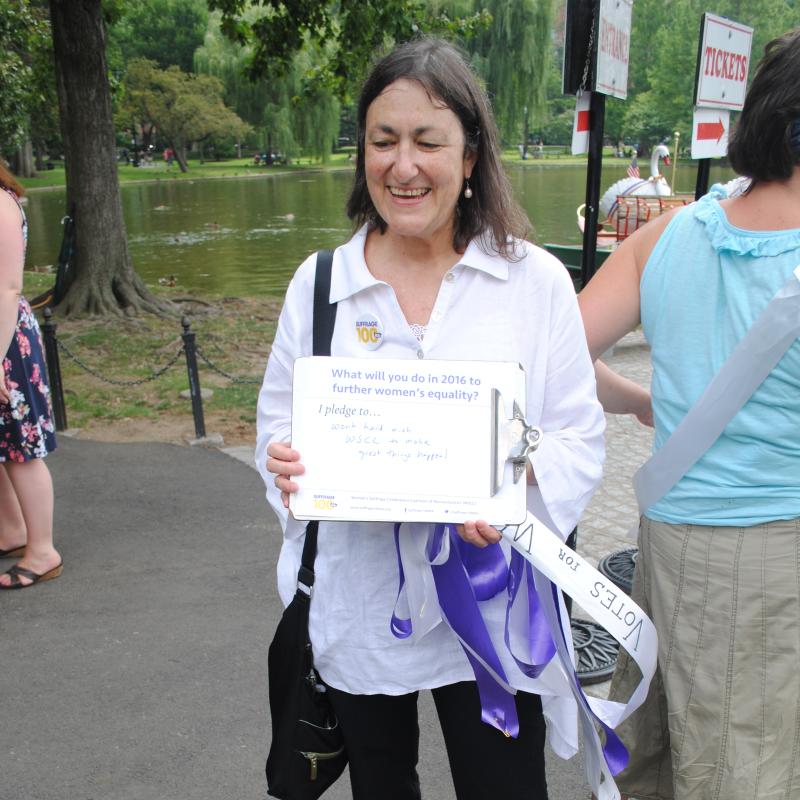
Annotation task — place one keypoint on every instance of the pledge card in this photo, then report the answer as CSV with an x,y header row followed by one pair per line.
x,y
400,440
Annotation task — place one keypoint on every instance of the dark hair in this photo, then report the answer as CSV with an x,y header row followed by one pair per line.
x,y
765,145
443,72
8,180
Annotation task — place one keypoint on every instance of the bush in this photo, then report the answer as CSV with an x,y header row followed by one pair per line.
x,y
559,129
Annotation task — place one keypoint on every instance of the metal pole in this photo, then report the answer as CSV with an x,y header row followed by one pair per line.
x,y
597,111
703,171
675,162
54,371
194,379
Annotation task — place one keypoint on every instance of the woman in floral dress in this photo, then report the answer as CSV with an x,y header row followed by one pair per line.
x,y
26,426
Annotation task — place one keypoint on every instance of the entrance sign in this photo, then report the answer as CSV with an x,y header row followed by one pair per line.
x,y
397,440
613,47
723,61
710,132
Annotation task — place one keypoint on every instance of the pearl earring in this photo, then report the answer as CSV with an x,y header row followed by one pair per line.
x,y
467,190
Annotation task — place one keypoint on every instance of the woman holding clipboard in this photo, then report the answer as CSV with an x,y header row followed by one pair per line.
x,y
439,265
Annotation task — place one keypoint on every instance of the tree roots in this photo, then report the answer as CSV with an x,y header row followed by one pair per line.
x,y
119,297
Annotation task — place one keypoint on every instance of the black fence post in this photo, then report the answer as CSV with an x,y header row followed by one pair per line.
x,y
54,371
194,379
703,171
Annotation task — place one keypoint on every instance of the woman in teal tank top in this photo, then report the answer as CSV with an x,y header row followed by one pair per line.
x,y
719,552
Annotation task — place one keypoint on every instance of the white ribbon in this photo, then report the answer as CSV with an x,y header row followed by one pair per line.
x,y
417,600
762,347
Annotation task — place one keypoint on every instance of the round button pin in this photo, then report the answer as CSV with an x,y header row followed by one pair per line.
x,y
369,331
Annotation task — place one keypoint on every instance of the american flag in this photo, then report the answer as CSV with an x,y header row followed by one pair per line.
x,y
633,169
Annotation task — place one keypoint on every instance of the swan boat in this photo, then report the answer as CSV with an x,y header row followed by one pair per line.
x,y
630,202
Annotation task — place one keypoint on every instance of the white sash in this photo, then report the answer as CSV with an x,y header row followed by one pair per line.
x,y
762,347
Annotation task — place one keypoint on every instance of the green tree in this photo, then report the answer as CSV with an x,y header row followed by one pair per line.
x,y
349,32
165,31
513,56
183,107
288,112
16,73
27,87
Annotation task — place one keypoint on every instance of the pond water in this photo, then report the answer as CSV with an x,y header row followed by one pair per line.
x,y
246,236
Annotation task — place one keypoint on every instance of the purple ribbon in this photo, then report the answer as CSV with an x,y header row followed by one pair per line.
x,y
486,566
540,647
459,605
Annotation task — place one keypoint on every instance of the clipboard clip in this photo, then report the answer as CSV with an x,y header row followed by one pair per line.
x,y
512,440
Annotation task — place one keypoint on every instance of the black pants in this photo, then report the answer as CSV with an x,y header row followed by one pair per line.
x,y
381,734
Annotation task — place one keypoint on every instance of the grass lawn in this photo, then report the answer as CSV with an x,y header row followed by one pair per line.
x,y
158,171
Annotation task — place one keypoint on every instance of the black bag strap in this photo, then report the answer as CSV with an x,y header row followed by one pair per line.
x,y
323,321
324,310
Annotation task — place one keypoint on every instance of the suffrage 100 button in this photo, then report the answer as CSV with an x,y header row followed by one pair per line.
x,y
370,332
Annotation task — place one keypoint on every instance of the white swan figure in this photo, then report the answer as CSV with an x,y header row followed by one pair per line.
x,y
655,185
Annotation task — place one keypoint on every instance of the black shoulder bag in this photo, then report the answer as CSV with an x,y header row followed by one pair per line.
x,y
307,752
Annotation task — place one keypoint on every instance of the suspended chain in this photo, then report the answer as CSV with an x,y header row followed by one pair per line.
x,y
86,368
585,77
232,378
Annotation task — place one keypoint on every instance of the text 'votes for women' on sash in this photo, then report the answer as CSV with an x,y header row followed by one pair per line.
x,y
436,441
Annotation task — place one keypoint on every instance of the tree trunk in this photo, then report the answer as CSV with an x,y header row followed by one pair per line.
x,y
23,165
38,159
179,149
147,136
105,281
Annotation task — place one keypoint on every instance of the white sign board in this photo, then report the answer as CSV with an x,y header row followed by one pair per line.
x,y
401,440
613,47
710,132
723,63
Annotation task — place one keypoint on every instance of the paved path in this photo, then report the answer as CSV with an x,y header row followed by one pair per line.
x,y
140,673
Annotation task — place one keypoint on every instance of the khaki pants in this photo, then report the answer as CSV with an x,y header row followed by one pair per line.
x,y
722,718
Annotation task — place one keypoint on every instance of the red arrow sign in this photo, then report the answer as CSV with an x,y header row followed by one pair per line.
x,y
710,130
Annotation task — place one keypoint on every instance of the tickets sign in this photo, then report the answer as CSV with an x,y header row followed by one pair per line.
x,y
723,61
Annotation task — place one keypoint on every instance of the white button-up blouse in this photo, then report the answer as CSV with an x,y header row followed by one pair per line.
x,y
488,308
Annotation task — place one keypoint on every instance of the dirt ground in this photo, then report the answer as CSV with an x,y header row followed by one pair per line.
x,y
168,429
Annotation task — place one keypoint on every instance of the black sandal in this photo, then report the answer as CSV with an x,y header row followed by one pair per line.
x,y
16,572
14,552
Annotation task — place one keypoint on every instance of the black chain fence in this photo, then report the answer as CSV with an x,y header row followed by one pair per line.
x,y
188,348
86,368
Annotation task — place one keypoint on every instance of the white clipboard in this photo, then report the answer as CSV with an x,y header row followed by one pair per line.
x,y
397,440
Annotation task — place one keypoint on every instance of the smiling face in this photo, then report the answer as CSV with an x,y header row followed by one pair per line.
x,y
415,162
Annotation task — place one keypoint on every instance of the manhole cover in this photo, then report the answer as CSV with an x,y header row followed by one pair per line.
x,y
596,651
618,567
